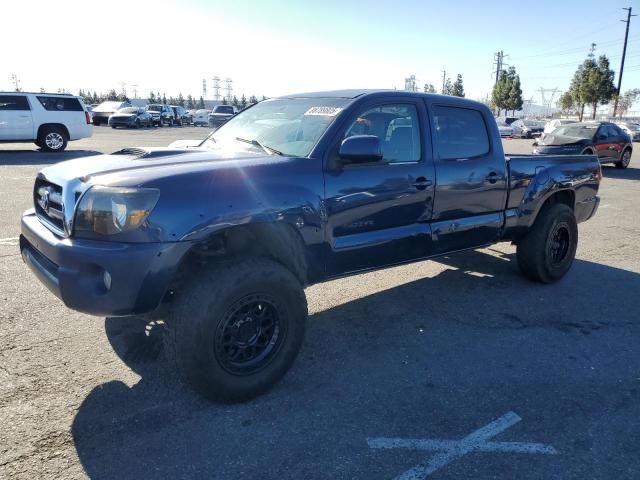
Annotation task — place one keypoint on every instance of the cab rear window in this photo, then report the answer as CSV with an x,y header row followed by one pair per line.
x,y
60,104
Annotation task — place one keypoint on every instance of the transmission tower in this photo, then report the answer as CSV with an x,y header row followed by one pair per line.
x,y
204,88
543,94
135,90
216,88
410,84
229,88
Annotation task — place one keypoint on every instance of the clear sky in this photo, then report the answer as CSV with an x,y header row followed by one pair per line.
x,y
277,47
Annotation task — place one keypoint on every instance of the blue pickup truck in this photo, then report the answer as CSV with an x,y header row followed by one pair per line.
x,y
220,238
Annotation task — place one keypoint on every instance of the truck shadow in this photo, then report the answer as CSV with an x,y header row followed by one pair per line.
x,y
36,157
629,173
158,428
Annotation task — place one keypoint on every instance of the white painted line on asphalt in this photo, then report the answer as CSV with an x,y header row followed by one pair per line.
x,y
450,450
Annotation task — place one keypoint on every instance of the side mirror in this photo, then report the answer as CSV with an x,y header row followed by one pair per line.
x,y
361,149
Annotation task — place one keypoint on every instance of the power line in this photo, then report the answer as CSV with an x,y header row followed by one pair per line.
x,y
573,51
624,52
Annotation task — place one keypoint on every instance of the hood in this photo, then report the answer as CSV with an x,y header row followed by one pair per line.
x,y
550,139
185,143
136,166
221,114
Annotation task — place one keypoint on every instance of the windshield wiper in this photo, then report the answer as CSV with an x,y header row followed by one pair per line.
x,y
257,143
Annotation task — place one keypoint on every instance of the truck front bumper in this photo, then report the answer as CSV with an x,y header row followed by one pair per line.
x,y
100,278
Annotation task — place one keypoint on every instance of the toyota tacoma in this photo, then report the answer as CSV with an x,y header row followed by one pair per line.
x,y
220,239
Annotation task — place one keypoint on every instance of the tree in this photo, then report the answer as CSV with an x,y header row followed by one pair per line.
x,y
164,99
627,100
151,98
243,102
592,84
253,99
263,98
458,88
224,101
565,102
190,103
429,88
112,95
201,103
514,93
234,102
500,93
448,87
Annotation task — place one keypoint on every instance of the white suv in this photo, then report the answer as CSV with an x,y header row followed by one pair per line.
x,y
49,120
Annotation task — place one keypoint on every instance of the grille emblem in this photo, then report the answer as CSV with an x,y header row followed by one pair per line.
x,y
43,201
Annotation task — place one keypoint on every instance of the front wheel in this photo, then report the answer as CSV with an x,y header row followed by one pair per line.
x,y
234,330
625,159
52,139
546,253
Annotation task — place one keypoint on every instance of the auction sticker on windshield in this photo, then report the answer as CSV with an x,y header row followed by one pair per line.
x,y
324,111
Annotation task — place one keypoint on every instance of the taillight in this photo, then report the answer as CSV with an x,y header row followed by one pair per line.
x,y
87,116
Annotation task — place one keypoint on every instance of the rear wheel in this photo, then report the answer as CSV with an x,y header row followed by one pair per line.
x,y
236,329
625,159
546,253
52,139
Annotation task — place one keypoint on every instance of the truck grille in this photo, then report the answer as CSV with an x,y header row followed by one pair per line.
x,y
48,203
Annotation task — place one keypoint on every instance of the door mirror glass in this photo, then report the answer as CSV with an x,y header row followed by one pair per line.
x,y
361,149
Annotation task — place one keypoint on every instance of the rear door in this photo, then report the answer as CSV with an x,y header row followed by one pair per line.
x,y
378,213
65,110
16,119
471,174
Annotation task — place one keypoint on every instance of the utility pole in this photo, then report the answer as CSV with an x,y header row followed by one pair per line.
x,y
499,57
16,82
624,53
444,78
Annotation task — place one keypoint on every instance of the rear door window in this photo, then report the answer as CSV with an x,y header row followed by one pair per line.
x,y
14,102
460,133
60,104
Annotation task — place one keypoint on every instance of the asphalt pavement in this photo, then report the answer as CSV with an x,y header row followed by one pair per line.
x,y
454,368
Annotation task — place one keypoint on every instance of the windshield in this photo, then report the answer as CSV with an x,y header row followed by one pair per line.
x,y
223,109
576,131
108,107
155,108
128,110
532,123
289,126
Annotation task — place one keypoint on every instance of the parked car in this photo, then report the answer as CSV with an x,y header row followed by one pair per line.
x,y
316,186
201,117
551,125
161,114
604,139
131,117
102,112
504,129
47,119
632,129
220,115
181,115
527,128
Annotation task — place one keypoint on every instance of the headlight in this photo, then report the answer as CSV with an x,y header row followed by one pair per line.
x,y
111,210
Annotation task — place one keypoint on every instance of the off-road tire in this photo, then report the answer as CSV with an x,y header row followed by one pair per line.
x,y
535,252
200,311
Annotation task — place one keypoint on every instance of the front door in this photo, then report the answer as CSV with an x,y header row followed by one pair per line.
x,y
16,122
471,193
378,213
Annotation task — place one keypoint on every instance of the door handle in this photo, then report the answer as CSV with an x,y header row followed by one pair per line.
x,y
493,177
421,183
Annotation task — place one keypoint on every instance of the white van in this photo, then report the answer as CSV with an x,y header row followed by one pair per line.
x,y
49,120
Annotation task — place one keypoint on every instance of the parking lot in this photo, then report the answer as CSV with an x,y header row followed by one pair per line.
x,y
452,368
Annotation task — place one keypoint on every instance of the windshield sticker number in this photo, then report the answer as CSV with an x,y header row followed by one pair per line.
x,y
324,111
